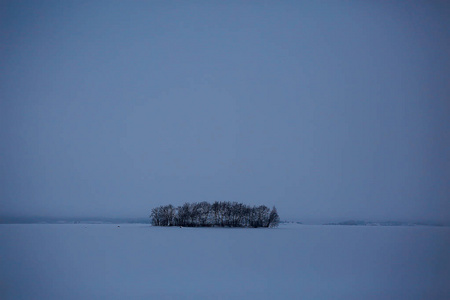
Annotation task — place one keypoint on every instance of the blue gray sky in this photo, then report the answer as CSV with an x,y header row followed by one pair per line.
x,y
327,110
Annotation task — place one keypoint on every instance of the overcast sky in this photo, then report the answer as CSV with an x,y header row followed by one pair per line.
x,y
326,110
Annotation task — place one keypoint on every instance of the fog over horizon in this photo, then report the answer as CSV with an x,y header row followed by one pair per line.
x,y
329,111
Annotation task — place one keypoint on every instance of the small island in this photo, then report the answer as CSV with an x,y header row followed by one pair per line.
x,y
218,214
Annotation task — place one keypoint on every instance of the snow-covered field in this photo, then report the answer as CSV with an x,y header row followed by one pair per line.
x,y
291,262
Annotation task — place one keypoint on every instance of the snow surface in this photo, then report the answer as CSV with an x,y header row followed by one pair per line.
x,y
137,261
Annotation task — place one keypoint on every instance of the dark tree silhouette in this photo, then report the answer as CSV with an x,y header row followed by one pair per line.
x,y
222,214
274,219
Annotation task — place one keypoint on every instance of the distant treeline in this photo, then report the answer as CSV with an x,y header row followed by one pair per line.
x,y
69,220
385,223
221,214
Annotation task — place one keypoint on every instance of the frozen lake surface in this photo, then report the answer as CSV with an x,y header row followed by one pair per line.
x,y
137,261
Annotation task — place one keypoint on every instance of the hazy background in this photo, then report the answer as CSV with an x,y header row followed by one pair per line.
x,y
327,110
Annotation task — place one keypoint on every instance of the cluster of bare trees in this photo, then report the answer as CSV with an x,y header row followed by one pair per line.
x,y
222,214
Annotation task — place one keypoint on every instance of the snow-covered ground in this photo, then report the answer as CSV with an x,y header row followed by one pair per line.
x,y
291,262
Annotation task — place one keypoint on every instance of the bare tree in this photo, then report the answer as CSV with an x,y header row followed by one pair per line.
x,y
274,218
223,214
